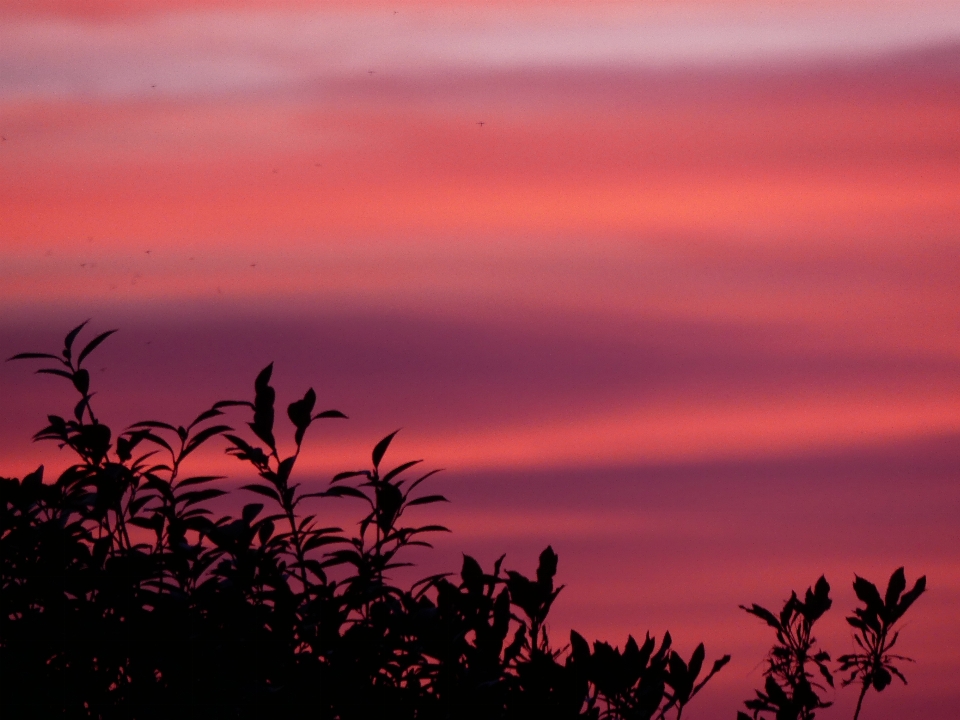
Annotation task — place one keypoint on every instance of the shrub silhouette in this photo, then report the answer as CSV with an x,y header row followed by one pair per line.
x,y
790,690
125,597
874,665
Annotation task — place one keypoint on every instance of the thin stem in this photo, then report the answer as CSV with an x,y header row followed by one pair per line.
x,y
291,518
863,692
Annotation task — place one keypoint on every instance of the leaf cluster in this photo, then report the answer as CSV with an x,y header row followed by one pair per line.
x,y
874,665
791,691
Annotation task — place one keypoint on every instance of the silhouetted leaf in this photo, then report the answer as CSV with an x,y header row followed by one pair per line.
x,y
33,356
81,407
264,490
195,496
299,414
55,371
205,415
34,478
818,602
262,424
696,662
285,468
431,528
345,491
243,450
908,598
93,344
250,512
330,414
471,574
156,439
81,381
547,567
232,403
265,531
71,336
199,480
202,436
896,585
319,541
868,593
719,664
764,614
827,675
153,424
421,479
381,448
399,469
427,500
579,649
345,475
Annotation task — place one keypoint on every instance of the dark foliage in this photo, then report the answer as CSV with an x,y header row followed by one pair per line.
x,y
791,691
123,596
874,666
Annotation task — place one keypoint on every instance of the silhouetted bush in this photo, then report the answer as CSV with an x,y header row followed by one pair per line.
x,y
123,596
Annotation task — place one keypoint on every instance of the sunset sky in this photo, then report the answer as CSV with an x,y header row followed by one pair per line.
x,y
674,286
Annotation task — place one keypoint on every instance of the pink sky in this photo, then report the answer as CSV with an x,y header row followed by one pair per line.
x,y
690,290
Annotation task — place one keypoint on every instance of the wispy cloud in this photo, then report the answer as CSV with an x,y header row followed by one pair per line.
x,y
191,51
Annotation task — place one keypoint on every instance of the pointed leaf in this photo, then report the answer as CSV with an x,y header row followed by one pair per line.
x,y
299,410
156,439
285,468
55,371
422,478
33,356
71,336
345,490
153,424
344,475
427,500
92,345
764,614
265,531
263,378
232,403
471,574
250,511
205,415
195,496
399,469
868,593
262,424
202,436
81,381
431,528
329,414
696,662
896,585
264,490
381,448
199,480
909,597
